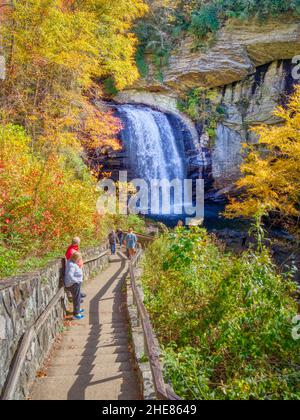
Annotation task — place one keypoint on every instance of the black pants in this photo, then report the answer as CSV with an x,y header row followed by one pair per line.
x,y
75,291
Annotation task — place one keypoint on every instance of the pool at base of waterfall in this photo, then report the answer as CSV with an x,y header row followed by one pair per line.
x,y
213,218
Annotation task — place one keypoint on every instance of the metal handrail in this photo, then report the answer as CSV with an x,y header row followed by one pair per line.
x,y
14,375
163,391
142,236
96,258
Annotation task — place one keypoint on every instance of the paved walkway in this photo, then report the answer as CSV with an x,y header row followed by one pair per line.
x,y
93,361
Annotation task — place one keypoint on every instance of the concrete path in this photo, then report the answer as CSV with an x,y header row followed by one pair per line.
x,y
93,360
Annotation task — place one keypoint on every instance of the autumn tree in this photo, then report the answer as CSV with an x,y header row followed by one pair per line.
x,y
55,49
57,53
271,181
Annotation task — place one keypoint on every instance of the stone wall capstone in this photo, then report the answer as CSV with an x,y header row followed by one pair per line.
x,y
23,299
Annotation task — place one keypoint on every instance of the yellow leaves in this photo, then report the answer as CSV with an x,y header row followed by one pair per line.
x,y
97,128
121,10
117,57
46,35
117,43
59,47
126,188
246,209
61,39
41,374
44,197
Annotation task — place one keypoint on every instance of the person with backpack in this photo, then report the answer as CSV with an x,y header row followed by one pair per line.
x,y
131,243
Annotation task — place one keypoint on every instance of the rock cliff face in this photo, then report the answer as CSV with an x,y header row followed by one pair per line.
x,y
250,69
246,104
252,101
235,54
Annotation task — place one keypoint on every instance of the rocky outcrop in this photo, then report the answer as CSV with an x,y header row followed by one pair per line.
x,y
252,101
162,101
239,48
226,156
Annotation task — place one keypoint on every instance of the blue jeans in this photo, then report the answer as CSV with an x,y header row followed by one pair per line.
x,y
113,248
75,291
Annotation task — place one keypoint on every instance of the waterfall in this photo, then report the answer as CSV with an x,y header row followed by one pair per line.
x,y
160,146
151,145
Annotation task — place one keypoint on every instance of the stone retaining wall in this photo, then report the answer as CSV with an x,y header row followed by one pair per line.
x,y
22,301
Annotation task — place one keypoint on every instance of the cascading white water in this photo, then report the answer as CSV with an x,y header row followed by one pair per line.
x,y
153,150
158,146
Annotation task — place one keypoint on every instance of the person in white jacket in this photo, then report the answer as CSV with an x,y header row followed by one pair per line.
x,y
73,282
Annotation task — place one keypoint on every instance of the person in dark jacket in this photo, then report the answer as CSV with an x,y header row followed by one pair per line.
x,y
120,235
112,238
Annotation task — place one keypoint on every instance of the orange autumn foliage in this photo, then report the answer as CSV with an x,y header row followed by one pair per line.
x,y
42,202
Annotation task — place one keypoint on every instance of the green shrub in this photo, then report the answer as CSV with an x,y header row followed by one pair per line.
x,y
202,105
224,321
8,261
141,62
110,87
205,20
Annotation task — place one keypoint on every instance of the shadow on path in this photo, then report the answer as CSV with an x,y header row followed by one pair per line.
x,y
119,322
